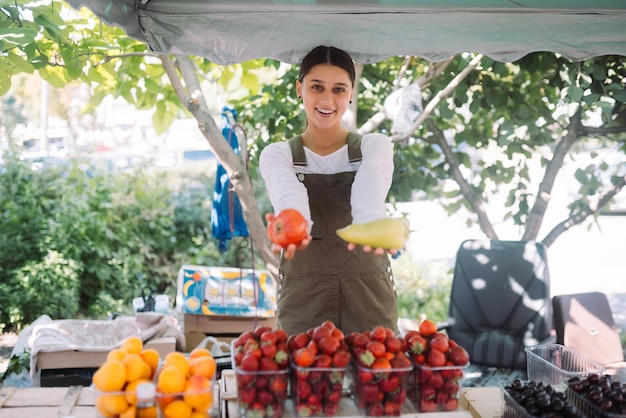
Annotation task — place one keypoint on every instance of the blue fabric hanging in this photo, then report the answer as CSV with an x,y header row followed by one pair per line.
x,y
227,219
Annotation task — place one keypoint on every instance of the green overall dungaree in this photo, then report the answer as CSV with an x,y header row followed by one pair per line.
x,y
353,289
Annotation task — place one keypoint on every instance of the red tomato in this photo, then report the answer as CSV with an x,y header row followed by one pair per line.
x,y
288,227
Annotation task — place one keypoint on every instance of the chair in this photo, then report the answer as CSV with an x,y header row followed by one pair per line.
x,y
584,323
500,304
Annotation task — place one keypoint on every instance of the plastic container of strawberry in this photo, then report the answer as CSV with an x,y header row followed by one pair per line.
x,y
379,392
436,389
262,394
317,390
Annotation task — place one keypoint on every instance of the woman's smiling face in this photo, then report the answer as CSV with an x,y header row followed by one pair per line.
x,y
326,92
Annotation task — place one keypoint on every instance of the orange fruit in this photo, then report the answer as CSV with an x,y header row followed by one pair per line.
x,y
134,365
198,393
131,390
200,352
131,412
177,409
113,404
132,344
203,366
148,373
171,380
116,354
151,357
110,376
178,360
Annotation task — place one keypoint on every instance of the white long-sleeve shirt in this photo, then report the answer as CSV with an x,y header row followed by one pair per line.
x,y
369,190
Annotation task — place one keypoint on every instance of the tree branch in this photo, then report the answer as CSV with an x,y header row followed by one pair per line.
x,y
578,217
601,131
195,101
468,192
437,99
434,71
544,193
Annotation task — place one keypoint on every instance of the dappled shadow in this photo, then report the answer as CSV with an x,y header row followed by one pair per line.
x,y
500,301
618,307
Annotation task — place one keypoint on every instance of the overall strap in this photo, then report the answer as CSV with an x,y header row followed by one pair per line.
x,y
297,150
354,149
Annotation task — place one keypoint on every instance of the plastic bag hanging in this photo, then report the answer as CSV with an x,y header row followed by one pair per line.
x,y
227,219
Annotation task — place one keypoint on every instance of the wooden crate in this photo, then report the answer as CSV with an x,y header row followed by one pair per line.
x,y
75,401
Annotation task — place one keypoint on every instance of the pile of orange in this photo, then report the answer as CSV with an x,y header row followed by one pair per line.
x,y
116,379
185,384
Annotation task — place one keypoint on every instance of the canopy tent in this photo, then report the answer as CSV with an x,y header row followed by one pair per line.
x,y
231,31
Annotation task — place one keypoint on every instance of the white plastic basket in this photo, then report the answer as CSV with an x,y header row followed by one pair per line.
x,y
554,364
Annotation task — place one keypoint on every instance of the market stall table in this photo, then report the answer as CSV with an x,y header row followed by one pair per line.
x,y
79,402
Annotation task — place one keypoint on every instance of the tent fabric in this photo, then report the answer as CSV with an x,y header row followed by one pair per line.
x,y
232,31
227,219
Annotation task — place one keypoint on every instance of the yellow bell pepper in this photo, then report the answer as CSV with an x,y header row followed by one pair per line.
x,y
387,233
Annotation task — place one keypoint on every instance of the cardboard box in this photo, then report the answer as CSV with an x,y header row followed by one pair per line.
x,y
219,325
482,401
89,359
204,290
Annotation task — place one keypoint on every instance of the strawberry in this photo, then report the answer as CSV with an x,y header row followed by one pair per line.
x,y
389,384
436,358
377,349
337,334
366,358
268,337
267,364
278,384
320,332
451,404
341,358
426,405
323,361
328,345
378,334
376,410
303,410
436,380
427,327
303,389
458,355
393,344
416,343
304,357
258,331
265,397
392,408
440,342
268,350
249,363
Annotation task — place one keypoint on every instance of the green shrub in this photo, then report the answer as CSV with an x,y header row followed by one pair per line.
x,y
78,242
423,288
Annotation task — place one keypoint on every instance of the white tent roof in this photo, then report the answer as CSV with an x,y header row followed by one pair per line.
x,y
230,31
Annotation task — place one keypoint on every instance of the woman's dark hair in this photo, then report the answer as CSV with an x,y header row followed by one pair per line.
x,y
327,55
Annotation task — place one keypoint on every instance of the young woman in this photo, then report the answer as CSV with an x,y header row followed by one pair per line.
x,y
334,178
